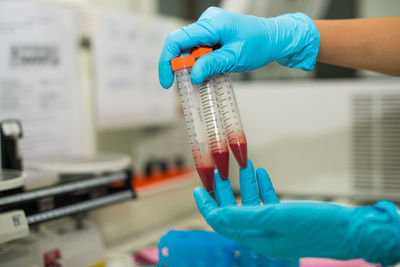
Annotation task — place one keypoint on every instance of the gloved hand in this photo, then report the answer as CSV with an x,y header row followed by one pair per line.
x,y
300,229
247,43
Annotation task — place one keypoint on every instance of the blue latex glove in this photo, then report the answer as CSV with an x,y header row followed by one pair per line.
x,y
247,43
300,229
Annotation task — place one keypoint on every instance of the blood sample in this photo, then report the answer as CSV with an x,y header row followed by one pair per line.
x,y
230,117
215,131
194,119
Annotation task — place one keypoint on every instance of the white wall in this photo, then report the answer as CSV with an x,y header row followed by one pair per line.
x,y
374,8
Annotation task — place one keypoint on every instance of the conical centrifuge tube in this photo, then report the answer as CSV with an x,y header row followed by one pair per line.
x,y
191,103
215,131
230,117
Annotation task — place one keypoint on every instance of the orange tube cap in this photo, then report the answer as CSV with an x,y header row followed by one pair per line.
x,y
201,51
182,62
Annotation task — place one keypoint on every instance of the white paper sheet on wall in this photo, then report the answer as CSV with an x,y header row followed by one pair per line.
x,y
126,51
39,79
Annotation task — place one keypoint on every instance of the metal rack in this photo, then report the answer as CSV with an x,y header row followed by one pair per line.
x,y
71,197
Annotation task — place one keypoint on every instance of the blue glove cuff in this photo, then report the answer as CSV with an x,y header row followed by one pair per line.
x,y
376,233
303,50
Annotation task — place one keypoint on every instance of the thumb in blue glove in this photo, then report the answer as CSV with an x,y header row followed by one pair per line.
x,y
300,229
247,43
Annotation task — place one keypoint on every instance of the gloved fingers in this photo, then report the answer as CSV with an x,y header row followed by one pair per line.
x,y
216,62
265,218
248,186
237,221
186,37
220,219
267,192
223,191
205,203
165,74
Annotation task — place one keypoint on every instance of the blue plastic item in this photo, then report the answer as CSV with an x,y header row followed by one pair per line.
x,y
247,43
205,248
300,228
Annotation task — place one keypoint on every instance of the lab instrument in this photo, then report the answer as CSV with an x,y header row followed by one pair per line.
x,y
11,176
71,167
341,232
191,104
10,133
215,131
86,183
11,180
13,225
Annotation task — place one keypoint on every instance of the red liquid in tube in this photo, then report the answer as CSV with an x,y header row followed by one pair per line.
x,y
238,145
207,177
239,150
221,160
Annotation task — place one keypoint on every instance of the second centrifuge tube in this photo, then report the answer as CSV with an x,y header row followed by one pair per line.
x,y
215,131
192,110
230,117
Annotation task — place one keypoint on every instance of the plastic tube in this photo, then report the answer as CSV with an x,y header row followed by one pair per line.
x,y
230,117
194,119
215,131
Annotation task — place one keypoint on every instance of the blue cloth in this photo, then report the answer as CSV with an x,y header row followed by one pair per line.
x,y
300,229
247,43
205,248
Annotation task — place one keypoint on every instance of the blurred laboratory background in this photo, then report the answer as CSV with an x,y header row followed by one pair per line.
x,y
96,162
